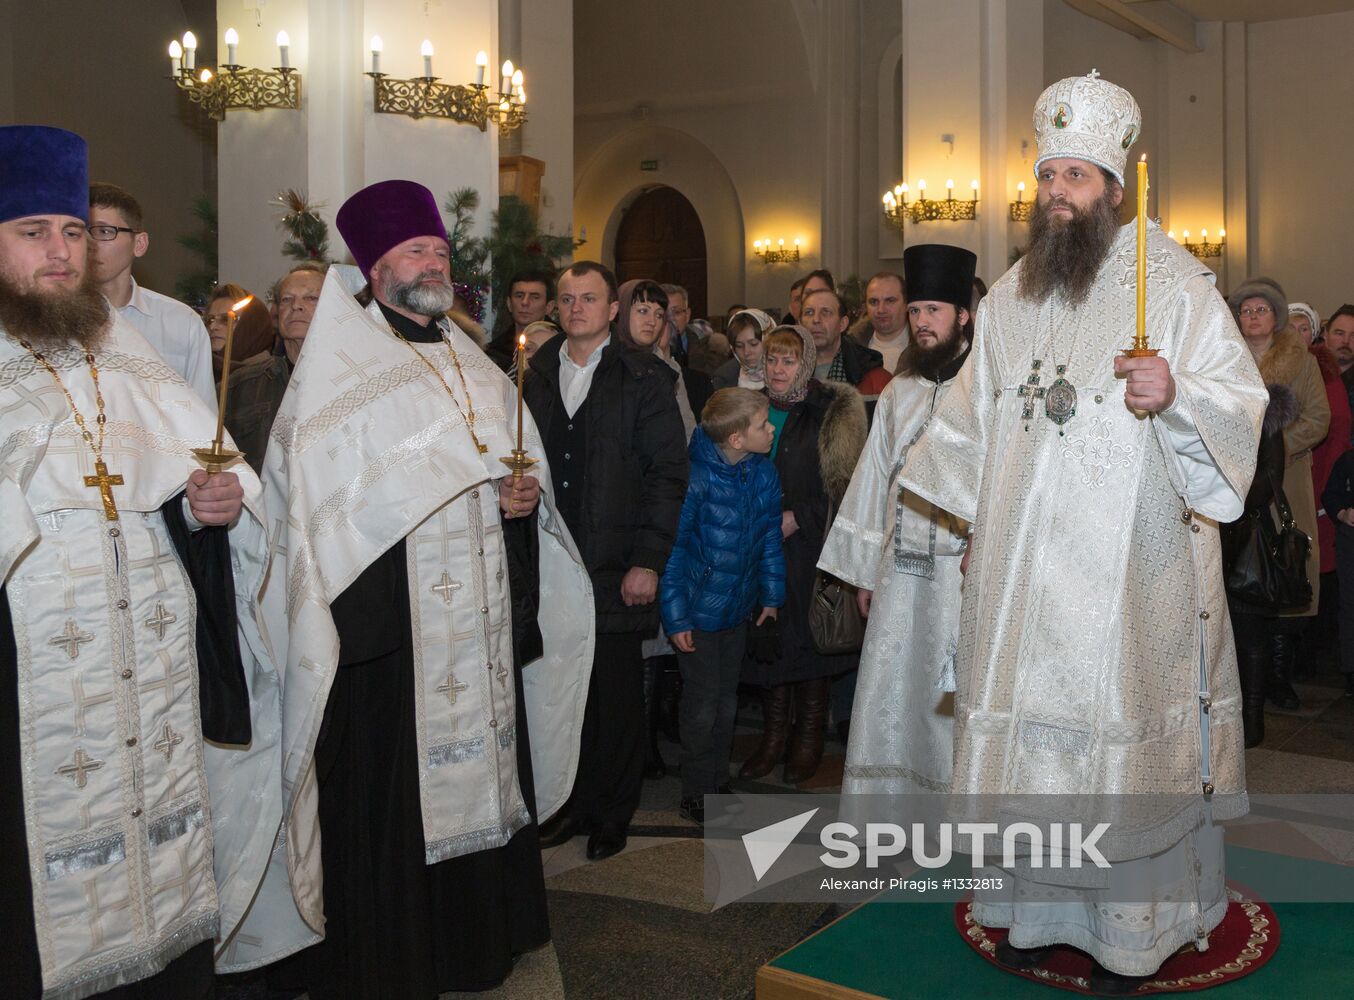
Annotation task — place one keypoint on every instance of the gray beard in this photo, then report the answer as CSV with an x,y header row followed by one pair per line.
x,y
1066,257
55,319
416,297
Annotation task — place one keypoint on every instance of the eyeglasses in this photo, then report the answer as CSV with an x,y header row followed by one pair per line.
x,y
1256,311
107,234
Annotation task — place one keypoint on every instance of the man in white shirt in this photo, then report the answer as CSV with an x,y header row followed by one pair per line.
x,y
173,329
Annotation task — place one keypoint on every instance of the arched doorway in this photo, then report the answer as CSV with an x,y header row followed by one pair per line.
x,y
661,237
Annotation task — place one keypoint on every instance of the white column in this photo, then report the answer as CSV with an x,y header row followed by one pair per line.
x,y
840,88
547,47
1239,259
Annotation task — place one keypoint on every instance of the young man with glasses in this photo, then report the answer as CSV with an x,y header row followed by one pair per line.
x,y
173,329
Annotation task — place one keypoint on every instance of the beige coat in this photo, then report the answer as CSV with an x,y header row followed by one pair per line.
x,y
1288,362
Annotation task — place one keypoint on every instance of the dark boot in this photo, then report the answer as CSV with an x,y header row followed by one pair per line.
x,y
669,687
1252,660
1104,983
776,727
1279,688
654,765
806,746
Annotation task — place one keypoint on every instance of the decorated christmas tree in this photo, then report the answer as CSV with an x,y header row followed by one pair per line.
x,y
308,233
468,252
195,287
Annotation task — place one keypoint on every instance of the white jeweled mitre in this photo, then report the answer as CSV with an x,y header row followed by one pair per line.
x,y
1087,118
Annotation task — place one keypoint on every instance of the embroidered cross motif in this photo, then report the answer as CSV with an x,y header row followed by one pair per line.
x,y
444,588
155,562
452,688
167,742
159,620
354,369
72,638
1031,391
80,768
84,701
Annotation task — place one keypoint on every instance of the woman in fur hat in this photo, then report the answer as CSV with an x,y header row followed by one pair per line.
x,y
820,433
1261,311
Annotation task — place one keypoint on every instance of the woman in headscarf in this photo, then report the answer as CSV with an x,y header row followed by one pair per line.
x,y
820,432
254,333
745,369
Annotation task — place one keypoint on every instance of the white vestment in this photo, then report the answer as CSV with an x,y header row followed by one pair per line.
x,y
368,449
908,552
1095,651
127,807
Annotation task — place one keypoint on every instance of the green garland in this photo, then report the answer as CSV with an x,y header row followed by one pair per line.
x,y
308,233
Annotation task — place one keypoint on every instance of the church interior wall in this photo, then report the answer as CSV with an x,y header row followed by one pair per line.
x,y
547,55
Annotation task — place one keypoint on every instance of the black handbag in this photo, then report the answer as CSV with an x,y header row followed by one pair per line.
x,y
835,624
1265,566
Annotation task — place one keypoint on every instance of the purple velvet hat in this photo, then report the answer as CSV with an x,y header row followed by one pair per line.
x,y
384,215
43,171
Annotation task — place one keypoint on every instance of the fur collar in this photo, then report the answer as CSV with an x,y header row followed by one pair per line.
x,y
1283,361
841,437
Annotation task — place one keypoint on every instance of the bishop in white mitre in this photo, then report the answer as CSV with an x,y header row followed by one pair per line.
x,y
138,703
904,555
436,610
1095,654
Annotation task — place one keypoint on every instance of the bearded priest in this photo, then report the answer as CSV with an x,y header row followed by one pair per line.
x,y
138,727
432,605
1095,655
904,553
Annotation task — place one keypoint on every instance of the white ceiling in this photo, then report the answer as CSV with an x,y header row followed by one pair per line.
x,y
1256,10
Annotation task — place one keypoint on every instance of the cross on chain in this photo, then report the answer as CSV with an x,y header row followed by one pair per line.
x,y
167,742
80,768
1031,391
104,483
452,688
72,638
159,620
445,587
354,369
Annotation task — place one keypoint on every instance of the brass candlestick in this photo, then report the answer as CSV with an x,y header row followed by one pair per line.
x,y
520,462
216,458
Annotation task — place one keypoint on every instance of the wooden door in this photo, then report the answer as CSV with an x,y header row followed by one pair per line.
x,y
661,237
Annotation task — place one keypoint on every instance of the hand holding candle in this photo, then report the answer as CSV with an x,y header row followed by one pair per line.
x,y
1140,348
519,462
216,457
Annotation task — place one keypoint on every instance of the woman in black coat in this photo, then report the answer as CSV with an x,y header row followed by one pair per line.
x,y
821,430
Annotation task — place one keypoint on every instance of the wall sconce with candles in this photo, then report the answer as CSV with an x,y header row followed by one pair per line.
x,y
234,86
1021,210
898,211
469,104
762,248
1204,248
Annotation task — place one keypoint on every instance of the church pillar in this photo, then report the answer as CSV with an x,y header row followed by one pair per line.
x,y
840,83
336,143
546,40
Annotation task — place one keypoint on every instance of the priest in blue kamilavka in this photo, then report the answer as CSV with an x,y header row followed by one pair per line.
x,y
438,637
1095,655
139,764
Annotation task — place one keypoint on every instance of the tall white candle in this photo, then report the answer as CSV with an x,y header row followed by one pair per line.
x,y
427,49
507,77
175,57
283,46
189,51
232,45
376,46
481,62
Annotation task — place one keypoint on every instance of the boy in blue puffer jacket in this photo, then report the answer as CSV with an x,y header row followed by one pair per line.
x,y
727,562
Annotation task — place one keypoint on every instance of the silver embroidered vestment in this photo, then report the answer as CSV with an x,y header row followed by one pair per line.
x,y
907,551
1095,652
143,840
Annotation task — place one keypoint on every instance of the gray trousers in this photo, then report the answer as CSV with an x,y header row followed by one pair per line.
x,y
709,706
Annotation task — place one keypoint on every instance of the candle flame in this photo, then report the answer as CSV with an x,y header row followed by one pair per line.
x,y
1143,158
242,303
205,76
522,341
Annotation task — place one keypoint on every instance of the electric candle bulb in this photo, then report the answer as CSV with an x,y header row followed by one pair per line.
x,y
780,244
283,46
232,41
426,50
175,57
1204,233
1170,234
888,197
796,243
1222,234
757,245
921,187
481,61
206,76
903,188
189,50
507,76
377,47
1186,235
949,187
517,78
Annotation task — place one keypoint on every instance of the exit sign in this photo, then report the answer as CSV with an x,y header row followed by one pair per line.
x,y
648,164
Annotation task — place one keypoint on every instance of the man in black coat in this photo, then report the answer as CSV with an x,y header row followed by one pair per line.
x,y
613,434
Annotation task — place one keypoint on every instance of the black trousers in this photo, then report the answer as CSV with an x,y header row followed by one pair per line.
x,y
611,754
1344,567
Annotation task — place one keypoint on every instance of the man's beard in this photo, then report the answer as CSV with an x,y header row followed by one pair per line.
x,y
1066,257
417,297
928,361
55,318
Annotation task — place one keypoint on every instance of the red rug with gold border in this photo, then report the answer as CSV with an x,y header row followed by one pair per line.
x,y
1245,940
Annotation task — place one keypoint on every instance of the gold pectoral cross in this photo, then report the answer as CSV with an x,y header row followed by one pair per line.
x,y
104,483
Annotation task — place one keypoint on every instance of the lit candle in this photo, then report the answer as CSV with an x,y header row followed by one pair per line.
x,y
756,246
521,374
780,244
974,185
225,367
1170,234
189,51
902,192
1140,343
175,57
427,50
1204,234
507,76
1222,235
921,188
949,189
377,47
283,45
1020,192
517,79
481,61
206,75
1186,237
796,244
232,43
